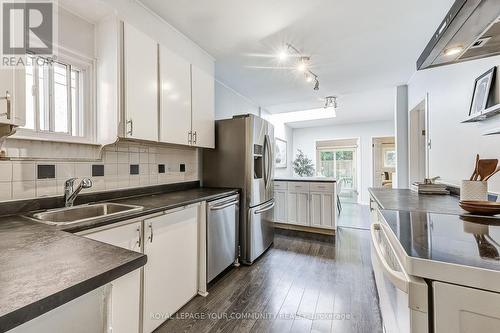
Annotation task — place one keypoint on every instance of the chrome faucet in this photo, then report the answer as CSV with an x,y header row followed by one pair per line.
x,y
70,194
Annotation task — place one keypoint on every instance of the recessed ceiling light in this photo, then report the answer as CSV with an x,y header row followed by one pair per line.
x,y
453,50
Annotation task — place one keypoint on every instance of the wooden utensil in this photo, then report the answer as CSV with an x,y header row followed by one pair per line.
x,y
475,168
492,174
486,168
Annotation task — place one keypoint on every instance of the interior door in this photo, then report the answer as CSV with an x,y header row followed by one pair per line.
x,y
203,108
140,54
175,99
171,273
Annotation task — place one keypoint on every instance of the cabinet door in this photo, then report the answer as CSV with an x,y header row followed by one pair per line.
x,y
467,310
316,208
12,96
322,210
126,290
141,85
280,209
203,90
171,273
175,114
298,208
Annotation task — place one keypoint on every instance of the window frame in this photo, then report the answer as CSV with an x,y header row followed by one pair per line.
x,y
333,150
87,105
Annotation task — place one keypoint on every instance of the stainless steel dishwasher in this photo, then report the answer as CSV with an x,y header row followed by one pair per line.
x,y
222,234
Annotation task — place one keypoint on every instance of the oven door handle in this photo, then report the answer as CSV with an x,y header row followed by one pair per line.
x,y
398,279
265,209
224,205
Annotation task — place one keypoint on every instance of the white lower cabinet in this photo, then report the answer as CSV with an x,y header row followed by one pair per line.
x,y
298,208
322,206
125,291
171,273
305,204
465,310
280,209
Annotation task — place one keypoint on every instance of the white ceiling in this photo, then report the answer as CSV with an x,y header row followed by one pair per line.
x,y
357,46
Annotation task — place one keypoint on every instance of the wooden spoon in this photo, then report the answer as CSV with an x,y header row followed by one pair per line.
x,y
486,168
475,168
492,174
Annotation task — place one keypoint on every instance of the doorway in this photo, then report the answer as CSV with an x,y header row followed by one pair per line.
x,y
384,161
339,159
418,133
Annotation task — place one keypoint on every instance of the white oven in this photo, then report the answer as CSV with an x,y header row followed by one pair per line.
x,y
403,298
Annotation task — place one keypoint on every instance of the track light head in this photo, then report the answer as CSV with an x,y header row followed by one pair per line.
x,y
316,85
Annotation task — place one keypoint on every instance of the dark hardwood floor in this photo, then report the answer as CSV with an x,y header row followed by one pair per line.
x,y
299,285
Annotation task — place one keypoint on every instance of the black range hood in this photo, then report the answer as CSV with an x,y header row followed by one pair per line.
x,y
470,30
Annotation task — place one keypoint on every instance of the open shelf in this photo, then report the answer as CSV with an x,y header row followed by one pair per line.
x,y
487,113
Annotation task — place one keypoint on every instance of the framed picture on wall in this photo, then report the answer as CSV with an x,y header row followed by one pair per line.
x,y
281,153
481,94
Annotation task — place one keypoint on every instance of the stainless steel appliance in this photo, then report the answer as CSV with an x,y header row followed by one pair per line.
x,y
243,158
222,234
470,30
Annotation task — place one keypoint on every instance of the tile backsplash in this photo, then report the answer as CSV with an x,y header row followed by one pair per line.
x,y
124,165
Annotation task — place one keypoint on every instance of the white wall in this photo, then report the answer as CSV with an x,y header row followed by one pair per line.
x,y
455,145
305,139
228,103
283,132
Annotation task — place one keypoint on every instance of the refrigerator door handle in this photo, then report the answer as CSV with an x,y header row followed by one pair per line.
x,y
267,161
266,208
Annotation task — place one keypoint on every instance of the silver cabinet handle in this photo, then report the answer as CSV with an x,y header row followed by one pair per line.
x,y
190,137
195,137
9,110
131,130
139,237
151,233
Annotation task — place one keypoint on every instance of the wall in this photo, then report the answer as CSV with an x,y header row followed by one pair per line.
x,y
305,139
18,177
455,145
283,132
228,103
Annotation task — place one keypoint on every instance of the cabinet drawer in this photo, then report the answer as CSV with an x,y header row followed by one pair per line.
x,y
321,187
280,185
298,186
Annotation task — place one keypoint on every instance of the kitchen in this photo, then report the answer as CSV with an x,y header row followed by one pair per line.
x,y
213,167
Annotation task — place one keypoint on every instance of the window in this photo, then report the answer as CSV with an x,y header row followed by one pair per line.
x,y
57,97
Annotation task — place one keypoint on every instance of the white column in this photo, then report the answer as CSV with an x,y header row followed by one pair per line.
x,y
401,123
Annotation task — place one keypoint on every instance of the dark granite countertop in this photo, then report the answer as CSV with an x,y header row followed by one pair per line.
x,y
158,202
306,179
403,199
43,267
463,240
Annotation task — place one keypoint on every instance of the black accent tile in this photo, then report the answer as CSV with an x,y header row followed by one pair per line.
x,y
134,169
182,168
161,168
97,170
46,171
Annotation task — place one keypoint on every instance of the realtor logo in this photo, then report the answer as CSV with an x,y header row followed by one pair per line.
x,y
27,27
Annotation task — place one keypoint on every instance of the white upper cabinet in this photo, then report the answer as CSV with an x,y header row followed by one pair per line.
x,y
203,105
12,96
175,98
140,66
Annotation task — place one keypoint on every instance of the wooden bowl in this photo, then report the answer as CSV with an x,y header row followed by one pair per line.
x,y
488,208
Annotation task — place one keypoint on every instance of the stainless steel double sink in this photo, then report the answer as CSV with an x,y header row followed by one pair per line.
x,y
83,213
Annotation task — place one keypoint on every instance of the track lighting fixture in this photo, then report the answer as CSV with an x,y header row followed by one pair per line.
x,y
302,65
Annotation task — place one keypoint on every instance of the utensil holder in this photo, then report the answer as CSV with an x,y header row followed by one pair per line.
x,y
474,190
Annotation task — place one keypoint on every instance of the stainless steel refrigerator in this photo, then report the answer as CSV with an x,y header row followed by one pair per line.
x,y
244,158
